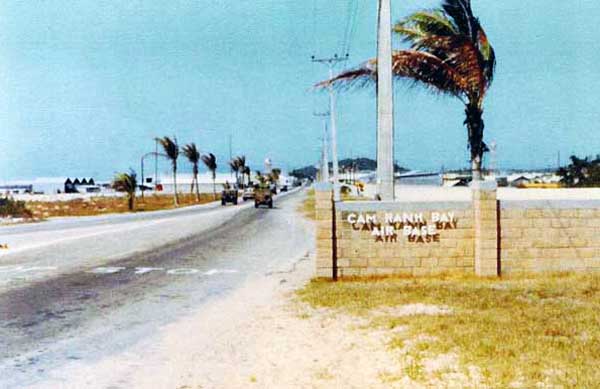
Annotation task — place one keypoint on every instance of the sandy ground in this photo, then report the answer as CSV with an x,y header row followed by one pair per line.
x,y
262,336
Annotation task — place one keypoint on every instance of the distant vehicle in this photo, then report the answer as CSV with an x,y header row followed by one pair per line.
x,y
248,194
273,189
263,196
284,188
229,196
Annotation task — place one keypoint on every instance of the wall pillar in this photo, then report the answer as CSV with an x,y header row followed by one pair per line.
x,y
485,213
324,233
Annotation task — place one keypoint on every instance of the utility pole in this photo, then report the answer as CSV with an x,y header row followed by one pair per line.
x,y
493,158
331,62
385,104
324,158
155,163
230,156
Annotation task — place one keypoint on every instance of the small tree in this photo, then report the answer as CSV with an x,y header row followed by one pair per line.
x,y
126,182
211,164
172,151
581,172
276,173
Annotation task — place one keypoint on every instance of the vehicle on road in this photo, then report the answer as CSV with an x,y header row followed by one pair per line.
x,y
263,196
284,188
229,194
248,194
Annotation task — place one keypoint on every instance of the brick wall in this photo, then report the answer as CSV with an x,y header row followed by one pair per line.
x,y
549,236
361,252
483,236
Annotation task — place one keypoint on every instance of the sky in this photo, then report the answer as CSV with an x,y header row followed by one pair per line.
x,y
86,86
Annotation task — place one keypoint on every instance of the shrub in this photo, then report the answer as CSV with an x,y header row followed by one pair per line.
x,y
13,208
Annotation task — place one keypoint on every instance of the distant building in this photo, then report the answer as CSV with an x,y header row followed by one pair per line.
x,y
16,189
69,186
81,186
520,182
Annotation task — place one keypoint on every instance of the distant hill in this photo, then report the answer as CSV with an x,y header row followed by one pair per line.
x,y
362,164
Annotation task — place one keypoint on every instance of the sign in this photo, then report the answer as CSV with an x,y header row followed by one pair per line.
x,y
414,227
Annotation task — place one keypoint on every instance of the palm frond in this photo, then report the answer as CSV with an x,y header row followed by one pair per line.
x,y
210,161
461,14
125,182
419,66
191,152
234,164
425,23
170,147
488,57
241,161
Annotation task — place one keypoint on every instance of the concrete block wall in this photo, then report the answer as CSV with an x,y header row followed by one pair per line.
x,y
360,253
539,236
324,221
485,237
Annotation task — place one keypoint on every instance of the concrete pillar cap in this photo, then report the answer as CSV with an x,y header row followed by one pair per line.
x,y
484,185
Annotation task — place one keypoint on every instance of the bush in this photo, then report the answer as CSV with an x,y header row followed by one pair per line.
x,y
13,208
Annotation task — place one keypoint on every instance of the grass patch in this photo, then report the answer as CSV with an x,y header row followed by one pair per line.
x,y
522,331
106,205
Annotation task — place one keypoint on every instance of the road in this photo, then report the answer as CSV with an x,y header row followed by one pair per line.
x,y
93,287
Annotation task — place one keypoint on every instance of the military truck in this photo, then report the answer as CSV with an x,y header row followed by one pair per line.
x,y
229,195
263,196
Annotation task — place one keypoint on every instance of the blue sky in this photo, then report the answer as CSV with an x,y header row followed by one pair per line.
x,y
85,86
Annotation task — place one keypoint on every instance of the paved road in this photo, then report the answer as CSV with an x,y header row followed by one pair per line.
x,y
92,296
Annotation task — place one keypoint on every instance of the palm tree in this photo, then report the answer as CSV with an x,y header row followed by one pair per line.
x,y
193,155
235,167
260,178
275,173
242,167
126,182
172,151
211,164
449,54
247,172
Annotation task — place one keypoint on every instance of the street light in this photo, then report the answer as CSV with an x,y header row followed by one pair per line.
x,y
152,153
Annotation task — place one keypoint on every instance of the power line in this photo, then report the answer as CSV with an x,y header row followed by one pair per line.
x,y
350,25
331,63
353,26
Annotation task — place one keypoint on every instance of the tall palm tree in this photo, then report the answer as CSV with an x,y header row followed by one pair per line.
x,y
126,182
172,151
211,164
235,167
193,155
242,167
449,54
247,172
